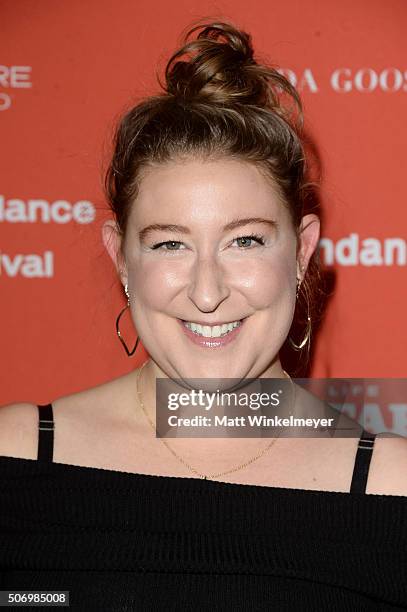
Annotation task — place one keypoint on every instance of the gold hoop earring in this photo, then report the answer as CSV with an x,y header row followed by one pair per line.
x,y
129,353
298,347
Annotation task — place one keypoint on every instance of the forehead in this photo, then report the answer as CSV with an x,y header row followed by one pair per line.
x,y
204,191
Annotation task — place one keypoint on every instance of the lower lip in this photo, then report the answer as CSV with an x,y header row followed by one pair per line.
x,y
212,342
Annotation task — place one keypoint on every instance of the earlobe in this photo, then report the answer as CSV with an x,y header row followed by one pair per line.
x,y
112,241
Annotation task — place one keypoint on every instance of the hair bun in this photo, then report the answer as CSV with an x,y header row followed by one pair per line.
x,y
221,68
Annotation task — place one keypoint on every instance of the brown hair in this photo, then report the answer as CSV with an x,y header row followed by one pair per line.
x,y
218,101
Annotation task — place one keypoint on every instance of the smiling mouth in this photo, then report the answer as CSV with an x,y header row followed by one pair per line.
x,y
212,331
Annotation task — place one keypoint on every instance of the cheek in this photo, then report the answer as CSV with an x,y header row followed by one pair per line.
x,y
267,283
155,284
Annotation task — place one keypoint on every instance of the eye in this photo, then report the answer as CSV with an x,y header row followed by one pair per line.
x,y
173,244
245,241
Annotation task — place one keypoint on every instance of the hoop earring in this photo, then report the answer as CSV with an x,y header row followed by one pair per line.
x,y
129,353
298,347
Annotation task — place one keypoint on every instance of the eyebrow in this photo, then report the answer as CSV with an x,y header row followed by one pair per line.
x,y
182,229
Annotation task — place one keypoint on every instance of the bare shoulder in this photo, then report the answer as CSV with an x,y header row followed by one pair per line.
x,y
18,430
388,468
85,412
104,402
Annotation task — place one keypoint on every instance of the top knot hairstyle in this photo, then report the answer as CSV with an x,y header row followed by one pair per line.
x,y
224,72
218,102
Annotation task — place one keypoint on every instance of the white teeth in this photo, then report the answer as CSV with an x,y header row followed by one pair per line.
x,y
211,332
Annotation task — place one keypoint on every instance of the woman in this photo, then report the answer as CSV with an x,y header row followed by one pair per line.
x,y
208,189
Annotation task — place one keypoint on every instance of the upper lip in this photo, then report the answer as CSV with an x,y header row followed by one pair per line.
x,y
212,323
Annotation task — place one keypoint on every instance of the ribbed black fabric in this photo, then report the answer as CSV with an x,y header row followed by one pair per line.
x,y
119,542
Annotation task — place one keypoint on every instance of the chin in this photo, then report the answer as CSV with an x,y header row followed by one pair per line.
x,y
214,373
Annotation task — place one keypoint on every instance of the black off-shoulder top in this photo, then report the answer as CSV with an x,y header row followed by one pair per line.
x,y
119,541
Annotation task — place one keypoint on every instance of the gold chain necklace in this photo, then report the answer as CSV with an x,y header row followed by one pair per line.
x,y
182,460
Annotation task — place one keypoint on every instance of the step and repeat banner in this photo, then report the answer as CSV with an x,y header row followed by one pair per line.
x,y
69,69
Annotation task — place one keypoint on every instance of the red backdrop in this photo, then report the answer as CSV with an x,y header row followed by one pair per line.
x,y
68,69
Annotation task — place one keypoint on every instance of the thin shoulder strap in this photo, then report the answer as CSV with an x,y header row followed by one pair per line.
x,y
45,433
362,462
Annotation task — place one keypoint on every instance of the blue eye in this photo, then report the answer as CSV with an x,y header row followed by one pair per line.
x,y
246,239
244,243
168,242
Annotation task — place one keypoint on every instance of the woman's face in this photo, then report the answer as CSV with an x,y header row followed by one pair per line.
x,y
209,243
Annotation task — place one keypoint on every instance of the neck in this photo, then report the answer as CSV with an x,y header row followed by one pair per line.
x,y
207,402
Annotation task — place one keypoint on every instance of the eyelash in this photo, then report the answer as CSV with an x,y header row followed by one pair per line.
x,y
257,237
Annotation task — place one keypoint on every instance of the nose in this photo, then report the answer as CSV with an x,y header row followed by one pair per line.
x,y
208,288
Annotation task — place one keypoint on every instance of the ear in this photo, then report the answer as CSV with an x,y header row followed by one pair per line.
x,y
112,240
308,241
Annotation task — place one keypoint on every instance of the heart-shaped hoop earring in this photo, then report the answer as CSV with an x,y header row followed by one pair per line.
x,y
129,353
307,337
